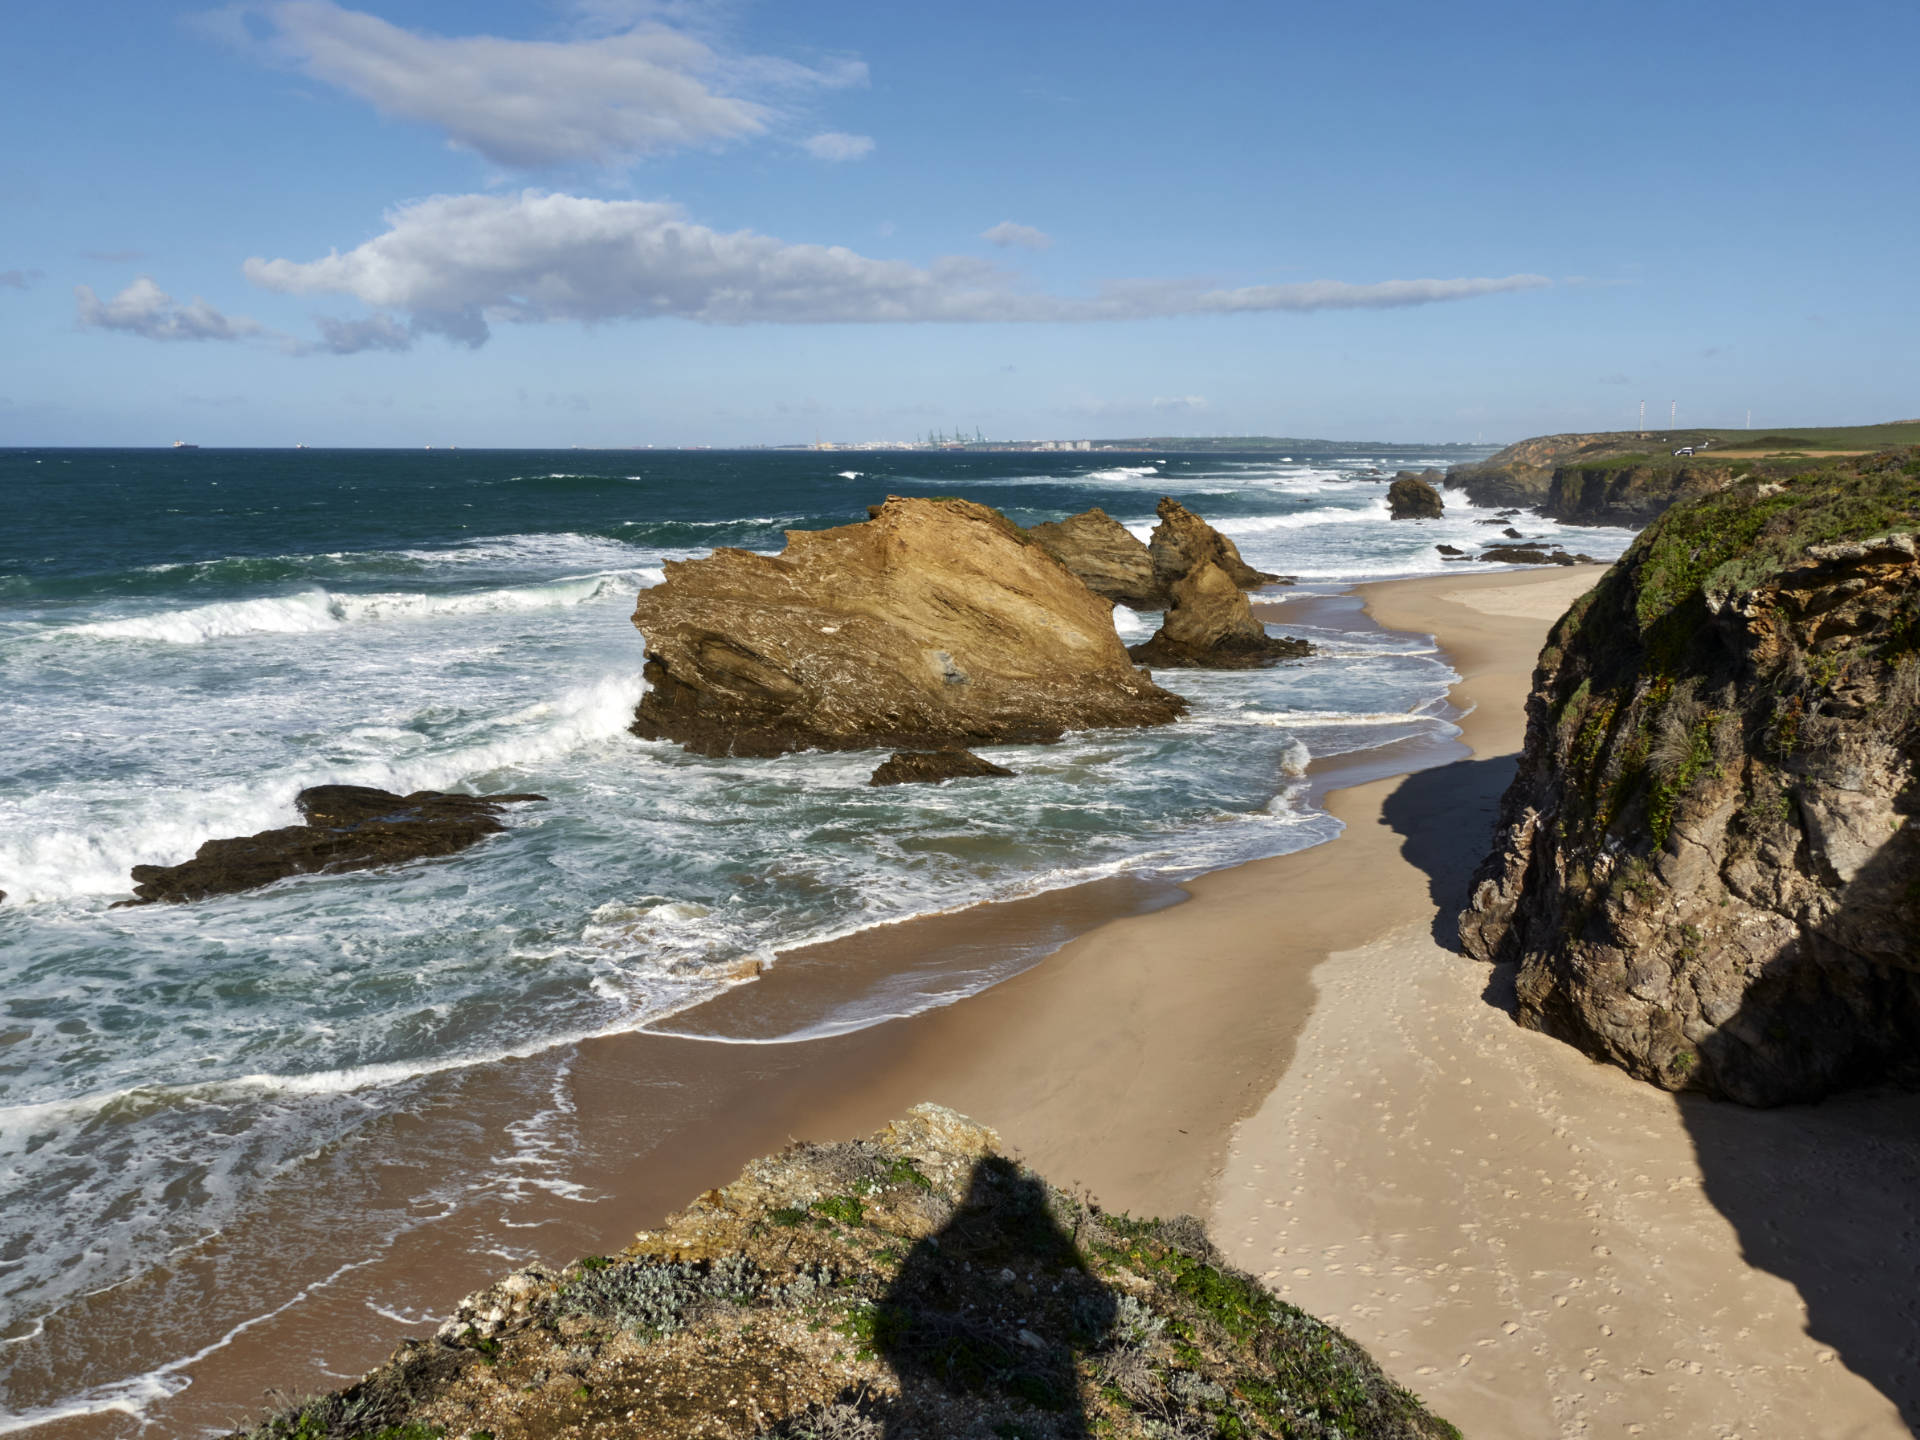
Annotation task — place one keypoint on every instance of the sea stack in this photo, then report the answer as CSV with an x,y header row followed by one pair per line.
x,y
1109,559
1410,497
937,623
1210,626
1706,870
1182,542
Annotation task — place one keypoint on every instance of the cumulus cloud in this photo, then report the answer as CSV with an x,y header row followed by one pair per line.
x,y
456,264
602,98
1006,234
835,145
144,309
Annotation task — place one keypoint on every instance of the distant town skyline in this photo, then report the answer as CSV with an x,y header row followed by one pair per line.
x,y
699,222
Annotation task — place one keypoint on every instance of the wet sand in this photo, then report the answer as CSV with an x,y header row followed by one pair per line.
x,y
1174,1053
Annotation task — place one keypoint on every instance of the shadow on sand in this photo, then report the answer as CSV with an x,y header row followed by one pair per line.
x,y
1825,1196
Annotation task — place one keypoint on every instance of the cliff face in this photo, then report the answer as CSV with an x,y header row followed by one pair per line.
x,y
937,623
916,1286
1607,479
1706,869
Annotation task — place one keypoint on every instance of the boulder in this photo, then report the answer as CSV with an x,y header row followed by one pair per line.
x,y
1182,542
938,623
1411,498
1525,555
1109,559
348,827
1210,626
1449,550
911,767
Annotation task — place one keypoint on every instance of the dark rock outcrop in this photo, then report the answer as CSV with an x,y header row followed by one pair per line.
x,y
1525,555
1411,498
1108,558
1210,626
1449,550
1182,542
937,623
919,1283
912,767
1707,869
348,827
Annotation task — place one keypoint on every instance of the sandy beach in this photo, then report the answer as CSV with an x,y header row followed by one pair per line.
x,y
1536,1244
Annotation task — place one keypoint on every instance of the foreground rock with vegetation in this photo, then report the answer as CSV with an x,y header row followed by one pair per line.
x,y
937,623
916,1286
1707,869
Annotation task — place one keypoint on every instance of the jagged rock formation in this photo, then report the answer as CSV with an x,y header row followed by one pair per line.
x,y
1182,542
1706,868
1210,626
1109,559
914,767
348,827
1526,555
1411,498
937,623
916,1286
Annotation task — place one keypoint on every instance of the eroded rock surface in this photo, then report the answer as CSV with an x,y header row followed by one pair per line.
x,y
938,623
1525,555
914,767
918,1285
1706,868
1109,559
1412,498
348,827
1210,626
1182,542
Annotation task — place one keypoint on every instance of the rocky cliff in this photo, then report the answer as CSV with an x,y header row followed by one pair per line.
x,y
1596,479
916,1286
937,623
1706,869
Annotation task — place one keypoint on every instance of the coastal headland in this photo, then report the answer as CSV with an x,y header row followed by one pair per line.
x,y
1294,1049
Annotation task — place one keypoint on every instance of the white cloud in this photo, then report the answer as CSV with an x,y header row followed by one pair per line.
x,y
143,308
350,337
1185,403
604,98
1007,233
455,264
835,145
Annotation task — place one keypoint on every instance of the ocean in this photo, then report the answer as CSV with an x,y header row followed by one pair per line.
x,y
187,639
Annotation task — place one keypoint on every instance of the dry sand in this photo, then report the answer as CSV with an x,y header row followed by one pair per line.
x,y
1535,1243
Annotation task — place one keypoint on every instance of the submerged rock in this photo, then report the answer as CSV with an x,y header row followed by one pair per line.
x,y
348,827
1182,542
1108,558
1210,626
1706,869
909,767
937,623
1411,498
920,1283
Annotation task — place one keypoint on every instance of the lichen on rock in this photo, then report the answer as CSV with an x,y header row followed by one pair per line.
x,y
919,1285
937,623
1706,869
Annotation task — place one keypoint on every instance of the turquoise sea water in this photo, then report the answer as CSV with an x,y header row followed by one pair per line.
x,y
187,639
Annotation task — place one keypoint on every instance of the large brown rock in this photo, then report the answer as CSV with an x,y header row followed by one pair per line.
x,y
1107,557
1411,498
1706,869
1210,626
937,623
348,827
1182,542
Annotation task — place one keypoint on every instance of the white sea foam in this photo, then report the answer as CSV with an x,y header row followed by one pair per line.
x,y
1129,624
312,611
850,474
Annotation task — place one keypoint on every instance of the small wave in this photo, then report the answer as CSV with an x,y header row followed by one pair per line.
x,y
1122,472
850,474
311,611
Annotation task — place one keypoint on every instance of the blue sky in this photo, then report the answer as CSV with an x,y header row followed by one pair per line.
x,y
701,222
